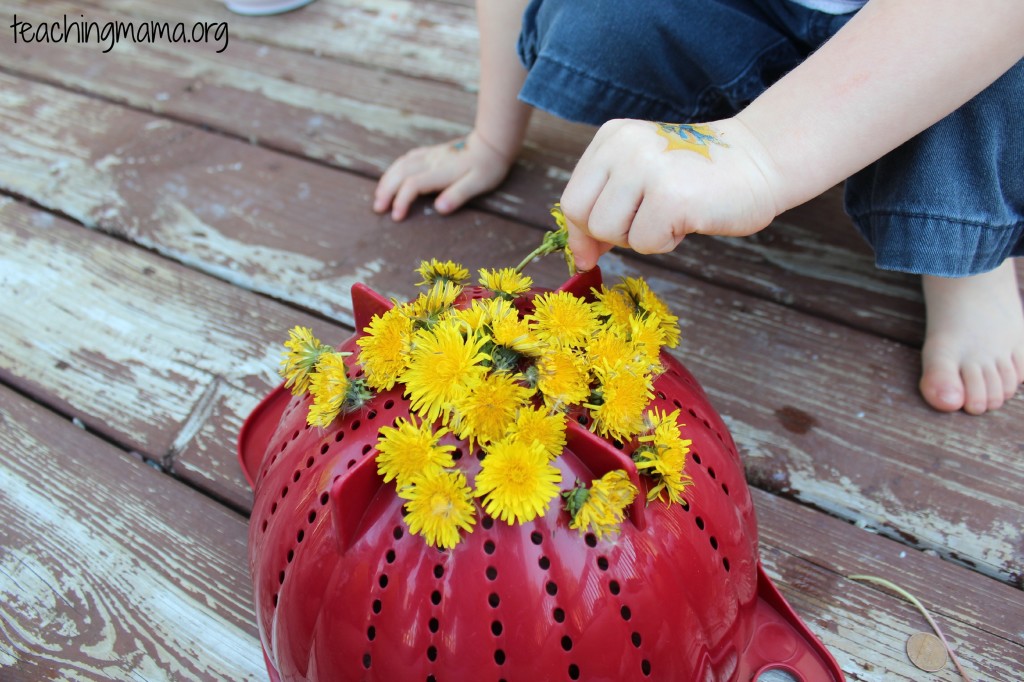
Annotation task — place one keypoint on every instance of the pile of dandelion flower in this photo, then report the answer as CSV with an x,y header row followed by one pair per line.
x,y
505,383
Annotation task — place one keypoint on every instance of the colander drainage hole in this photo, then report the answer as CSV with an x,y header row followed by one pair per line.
x,y
310,462
613,587
435,597
536,538
700,523
383,581
438,571
574,671
367,448
591,540
457,454
284,491
566,643
431,653
377,606
492,573
390,556
714,542
397,532
434,624
339,436
366,661
300,536
291,555
324,499
602,563
711,472
695,456
489,547
645,667
551,588
496,628
388,404
499,656
635,639
324,448
725,489
558,614
493,599
544,563
725,564
355,425
371,633
626,613
296,476
372,414
487,522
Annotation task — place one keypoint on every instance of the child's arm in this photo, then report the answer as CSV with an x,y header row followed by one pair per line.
x,y
464,168
896,68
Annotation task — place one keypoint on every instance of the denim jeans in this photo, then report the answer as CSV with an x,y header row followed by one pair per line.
x,y
948,202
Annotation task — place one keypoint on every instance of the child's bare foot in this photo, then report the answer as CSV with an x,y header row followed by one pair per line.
x,y
973,356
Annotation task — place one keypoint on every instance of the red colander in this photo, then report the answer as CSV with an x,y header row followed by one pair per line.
x,y
345,592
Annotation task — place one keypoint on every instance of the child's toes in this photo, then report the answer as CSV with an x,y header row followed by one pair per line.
x,y
942,386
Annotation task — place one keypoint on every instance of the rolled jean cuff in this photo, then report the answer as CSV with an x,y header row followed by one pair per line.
x,y
936,245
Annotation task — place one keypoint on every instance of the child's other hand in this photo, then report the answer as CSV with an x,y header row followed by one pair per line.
x,y
645,186
459,170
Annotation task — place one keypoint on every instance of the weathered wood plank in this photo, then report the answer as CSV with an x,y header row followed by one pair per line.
x,y
359,119
232,210
122,339
417,37
110,570
867,630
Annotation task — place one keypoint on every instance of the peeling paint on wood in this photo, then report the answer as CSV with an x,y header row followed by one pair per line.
x,y
111,568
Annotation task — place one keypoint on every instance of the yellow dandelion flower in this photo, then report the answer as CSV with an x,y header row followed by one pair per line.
x,y
647,301
438,299
615,304
562,317
484,412
610,345
385,348
508,329
648,336
563,378
433,271
329,385
442,363
439,505
624,389
517,481
539,426
662,455
298,362
477,315
409,449
601,509
506,282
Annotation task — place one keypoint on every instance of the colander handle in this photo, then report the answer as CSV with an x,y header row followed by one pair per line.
x,y
351,496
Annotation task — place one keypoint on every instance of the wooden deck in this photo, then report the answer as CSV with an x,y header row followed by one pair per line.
x,y
168,212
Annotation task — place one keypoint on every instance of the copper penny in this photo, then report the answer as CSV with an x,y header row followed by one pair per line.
x,y
926,651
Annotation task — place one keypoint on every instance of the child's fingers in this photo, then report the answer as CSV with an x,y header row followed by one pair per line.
x,y
416,185
651,229
614,207
461,191
585,249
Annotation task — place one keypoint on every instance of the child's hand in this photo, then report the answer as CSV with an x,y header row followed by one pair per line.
x,y
647,185
460,170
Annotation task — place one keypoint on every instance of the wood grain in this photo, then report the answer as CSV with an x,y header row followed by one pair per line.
x,y
110,570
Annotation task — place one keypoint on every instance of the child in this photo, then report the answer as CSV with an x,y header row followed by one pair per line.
x,y
919,104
